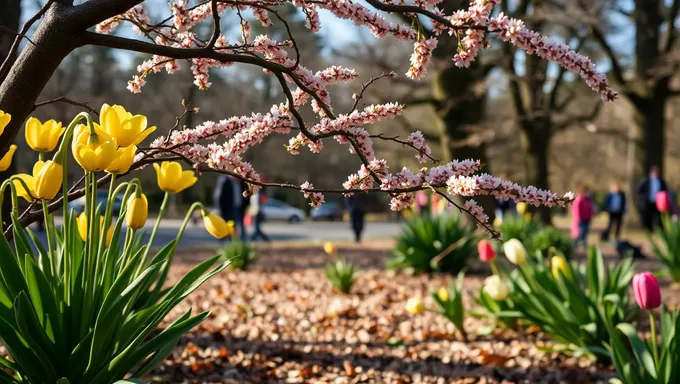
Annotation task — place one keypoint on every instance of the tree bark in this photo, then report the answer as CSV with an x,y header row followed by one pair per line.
x,y
9,18
649,144
461,93
535,143
52,41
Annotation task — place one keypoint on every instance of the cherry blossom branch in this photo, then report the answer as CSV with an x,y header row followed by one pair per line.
x,y
364,87
63,99
4,68
396,139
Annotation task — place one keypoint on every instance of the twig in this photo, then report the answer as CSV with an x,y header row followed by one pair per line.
x,y
66,100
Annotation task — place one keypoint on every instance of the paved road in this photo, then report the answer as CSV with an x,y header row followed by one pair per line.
x,y
196,235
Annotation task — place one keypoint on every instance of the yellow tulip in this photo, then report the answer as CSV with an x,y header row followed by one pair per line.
x,y
6,160
81,222
21,190
559,263
4,120
137,211
495,287
44,183
93,152
172,179
415,305
43,137
48,177
123,160
123,126
329,248
443,294
521,207
216,226
515,251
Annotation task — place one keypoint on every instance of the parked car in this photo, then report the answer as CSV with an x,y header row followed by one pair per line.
x,y
274,209
327,211
78,205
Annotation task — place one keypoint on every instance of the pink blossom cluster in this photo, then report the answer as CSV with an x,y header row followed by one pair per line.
x,y
316,198
514,32
485,184
477,212
362,16
422,54
137,15
417,140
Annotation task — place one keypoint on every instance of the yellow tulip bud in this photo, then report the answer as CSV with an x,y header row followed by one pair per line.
x,y
122,161
21,190
43,137
137,211
94,152
48,177
6,160
330,248
81,222
495,288
44,183
123,126
4,120
443,294
216,226
559,263
415,305
514,251
521,207
172,179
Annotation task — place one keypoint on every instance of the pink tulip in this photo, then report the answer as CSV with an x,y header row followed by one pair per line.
x,y
646,289
663,201
486,252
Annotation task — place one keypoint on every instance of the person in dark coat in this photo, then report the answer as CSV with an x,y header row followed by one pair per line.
x,y
646,197
615,206
231,203
357,212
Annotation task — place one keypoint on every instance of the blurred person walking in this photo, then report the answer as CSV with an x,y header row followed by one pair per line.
x,y
504,207
421,202
647,190
615,206
357,212
257,200
230,201
582,212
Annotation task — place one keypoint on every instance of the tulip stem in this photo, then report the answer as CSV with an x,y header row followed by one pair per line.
x,y
180,233
494,268
652,325
156,225
48,233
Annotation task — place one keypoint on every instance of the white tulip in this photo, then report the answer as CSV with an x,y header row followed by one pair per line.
x,y
495,288
514,251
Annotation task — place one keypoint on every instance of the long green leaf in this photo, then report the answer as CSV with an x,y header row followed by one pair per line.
x,y
639,347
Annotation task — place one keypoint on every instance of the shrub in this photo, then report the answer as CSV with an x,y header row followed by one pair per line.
x,y
550,237
440,243
341,274
240,254
517,227
641,366
568,306
666,246
450,303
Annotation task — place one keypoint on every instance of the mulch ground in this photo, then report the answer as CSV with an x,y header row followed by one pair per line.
x,y
281,322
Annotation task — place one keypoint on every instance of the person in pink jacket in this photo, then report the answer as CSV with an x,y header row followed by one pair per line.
x,y
582,212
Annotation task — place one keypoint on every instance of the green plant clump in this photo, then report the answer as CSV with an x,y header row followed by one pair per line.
x,y
434,244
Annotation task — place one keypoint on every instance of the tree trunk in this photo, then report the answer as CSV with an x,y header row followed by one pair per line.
x,y
9,18
649,144
33,68
535,143
461,137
